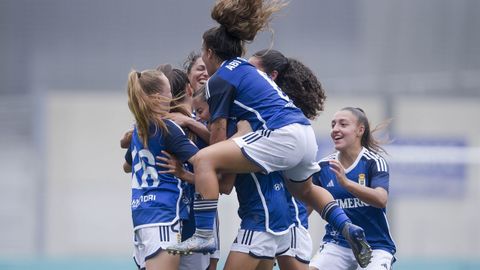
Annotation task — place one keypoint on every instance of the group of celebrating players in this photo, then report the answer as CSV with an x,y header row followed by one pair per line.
x,y
223,122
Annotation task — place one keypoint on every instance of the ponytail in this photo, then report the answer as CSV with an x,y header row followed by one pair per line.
x,y
146,102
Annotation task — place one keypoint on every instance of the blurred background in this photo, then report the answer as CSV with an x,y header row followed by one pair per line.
x,y
63,108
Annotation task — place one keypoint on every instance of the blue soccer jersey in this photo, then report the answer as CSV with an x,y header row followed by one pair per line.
x,y
261,198
371,170
240,91
156,198
298,211
263,205
188,226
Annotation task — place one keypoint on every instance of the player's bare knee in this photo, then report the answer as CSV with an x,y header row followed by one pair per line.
x,y
204,161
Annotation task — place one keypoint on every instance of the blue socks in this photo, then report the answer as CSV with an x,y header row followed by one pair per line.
x,y
205,212
335,215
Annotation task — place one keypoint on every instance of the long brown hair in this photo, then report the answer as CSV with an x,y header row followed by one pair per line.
x,y
368,140
178,84
146,102
239,20
296,80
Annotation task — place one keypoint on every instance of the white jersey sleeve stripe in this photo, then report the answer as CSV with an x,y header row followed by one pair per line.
x,y
367,154
259,117
381,163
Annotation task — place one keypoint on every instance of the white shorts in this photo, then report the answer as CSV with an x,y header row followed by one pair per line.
x,y
149,241
300,245
334,257
261,245
216,229
196,261
291,149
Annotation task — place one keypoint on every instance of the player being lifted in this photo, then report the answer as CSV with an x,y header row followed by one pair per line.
x,y
282,140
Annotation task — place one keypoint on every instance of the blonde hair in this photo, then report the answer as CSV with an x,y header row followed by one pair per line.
x,y
146,102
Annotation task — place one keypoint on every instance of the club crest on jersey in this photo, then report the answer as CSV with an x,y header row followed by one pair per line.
x,y
361,179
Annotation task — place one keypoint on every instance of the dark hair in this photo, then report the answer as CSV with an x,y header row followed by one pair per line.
x,y
368,140
178,80
190,61
178,83
296,80
239,20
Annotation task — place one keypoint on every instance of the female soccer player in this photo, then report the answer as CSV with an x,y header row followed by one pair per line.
x,y
300,84
156,198
196,70
182,92
266,229
282,140
358,177
294,78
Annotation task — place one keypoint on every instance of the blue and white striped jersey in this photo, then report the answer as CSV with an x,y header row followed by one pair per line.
x,y
371,170
240,91
188,226
298,211
156,198
262,199
263,205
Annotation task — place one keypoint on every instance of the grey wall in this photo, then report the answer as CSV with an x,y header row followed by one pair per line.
x,y
63,68
357,45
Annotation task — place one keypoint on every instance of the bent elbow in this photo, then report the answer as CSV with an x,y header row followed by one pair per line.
x,y
381,203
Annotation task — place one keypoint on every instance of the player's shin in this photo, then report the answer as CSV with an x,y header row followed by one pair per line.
x,y
203,240
354,235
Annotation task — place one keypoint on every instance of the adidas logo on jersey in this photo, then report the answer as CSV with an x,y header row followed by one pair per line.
x,y
330,184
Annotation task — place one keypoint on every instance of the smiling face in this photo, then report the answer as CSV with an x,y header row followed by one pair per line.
x,y
345,130
198,74
200,106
